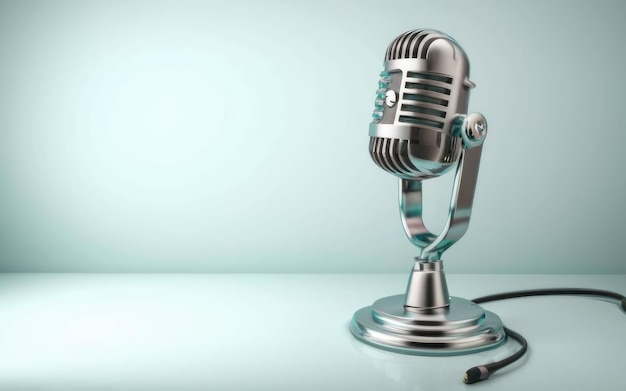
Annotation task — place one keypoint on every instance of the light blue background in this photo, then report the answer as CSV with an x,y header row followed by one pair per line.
x,y
177,136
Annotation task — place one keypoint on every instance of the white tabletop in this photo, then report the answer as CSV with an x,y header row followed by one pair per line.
x,y
283,332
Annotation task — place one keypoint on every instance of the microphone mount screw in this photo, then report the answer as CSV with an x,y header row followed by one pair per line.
x,y
473,130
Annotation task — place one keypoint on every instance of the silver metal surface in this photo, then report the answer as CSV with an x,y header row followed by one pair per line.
x,y
426,320
473,129
429,73
431,246
460,328
426,132
420,130
427,286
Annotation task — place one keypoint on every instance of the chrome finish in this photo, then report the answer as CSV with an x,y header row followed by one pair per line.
x,y
414,153
427,133
460,328
427,288
420,130
472,129
431,246
429,72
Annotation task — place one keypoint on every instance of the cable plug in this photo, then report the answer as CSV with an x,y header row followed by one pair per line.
x,y
476,374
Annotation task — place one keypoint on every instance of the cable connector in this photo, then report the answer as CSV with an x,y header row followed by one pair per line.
x,y
476,374
482,372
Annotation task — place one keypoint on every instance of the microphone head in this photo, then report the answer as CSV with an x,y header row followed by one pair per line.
x,y
421,99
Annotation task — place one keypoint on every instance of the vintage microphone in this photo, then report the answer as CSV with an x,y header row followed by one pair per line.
x,y
420,130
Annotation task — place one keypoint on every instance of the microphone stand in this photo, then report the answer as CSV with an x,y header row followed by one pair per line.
x,y
426,320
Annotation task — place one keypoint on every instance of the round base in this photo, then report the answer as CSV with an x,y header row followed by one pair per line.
x,y
461,328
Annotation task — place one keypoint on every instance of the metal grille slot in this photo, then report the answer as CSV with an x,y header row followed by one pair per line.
x,y
421,121
413,44
427,87
429,76
451,156
392,155
424,110
425,99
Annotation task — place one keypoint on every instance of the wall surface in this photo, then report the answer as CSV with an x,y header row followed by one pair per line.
x,y
178,136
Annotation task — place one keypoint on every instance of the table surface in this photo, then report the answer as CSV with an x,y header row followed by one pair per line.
x,y
284,332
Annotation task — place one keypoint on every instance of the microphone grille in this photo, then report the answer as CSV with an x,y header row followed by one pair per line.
x,y
424,100
401,157
413,44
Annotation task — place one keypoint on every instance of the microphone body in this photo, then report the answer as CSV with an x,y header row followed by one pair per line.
x,y
421,93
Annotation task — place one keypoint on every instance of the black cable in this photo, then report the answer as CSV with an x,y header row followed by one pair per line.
x,y
553,291
482,372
